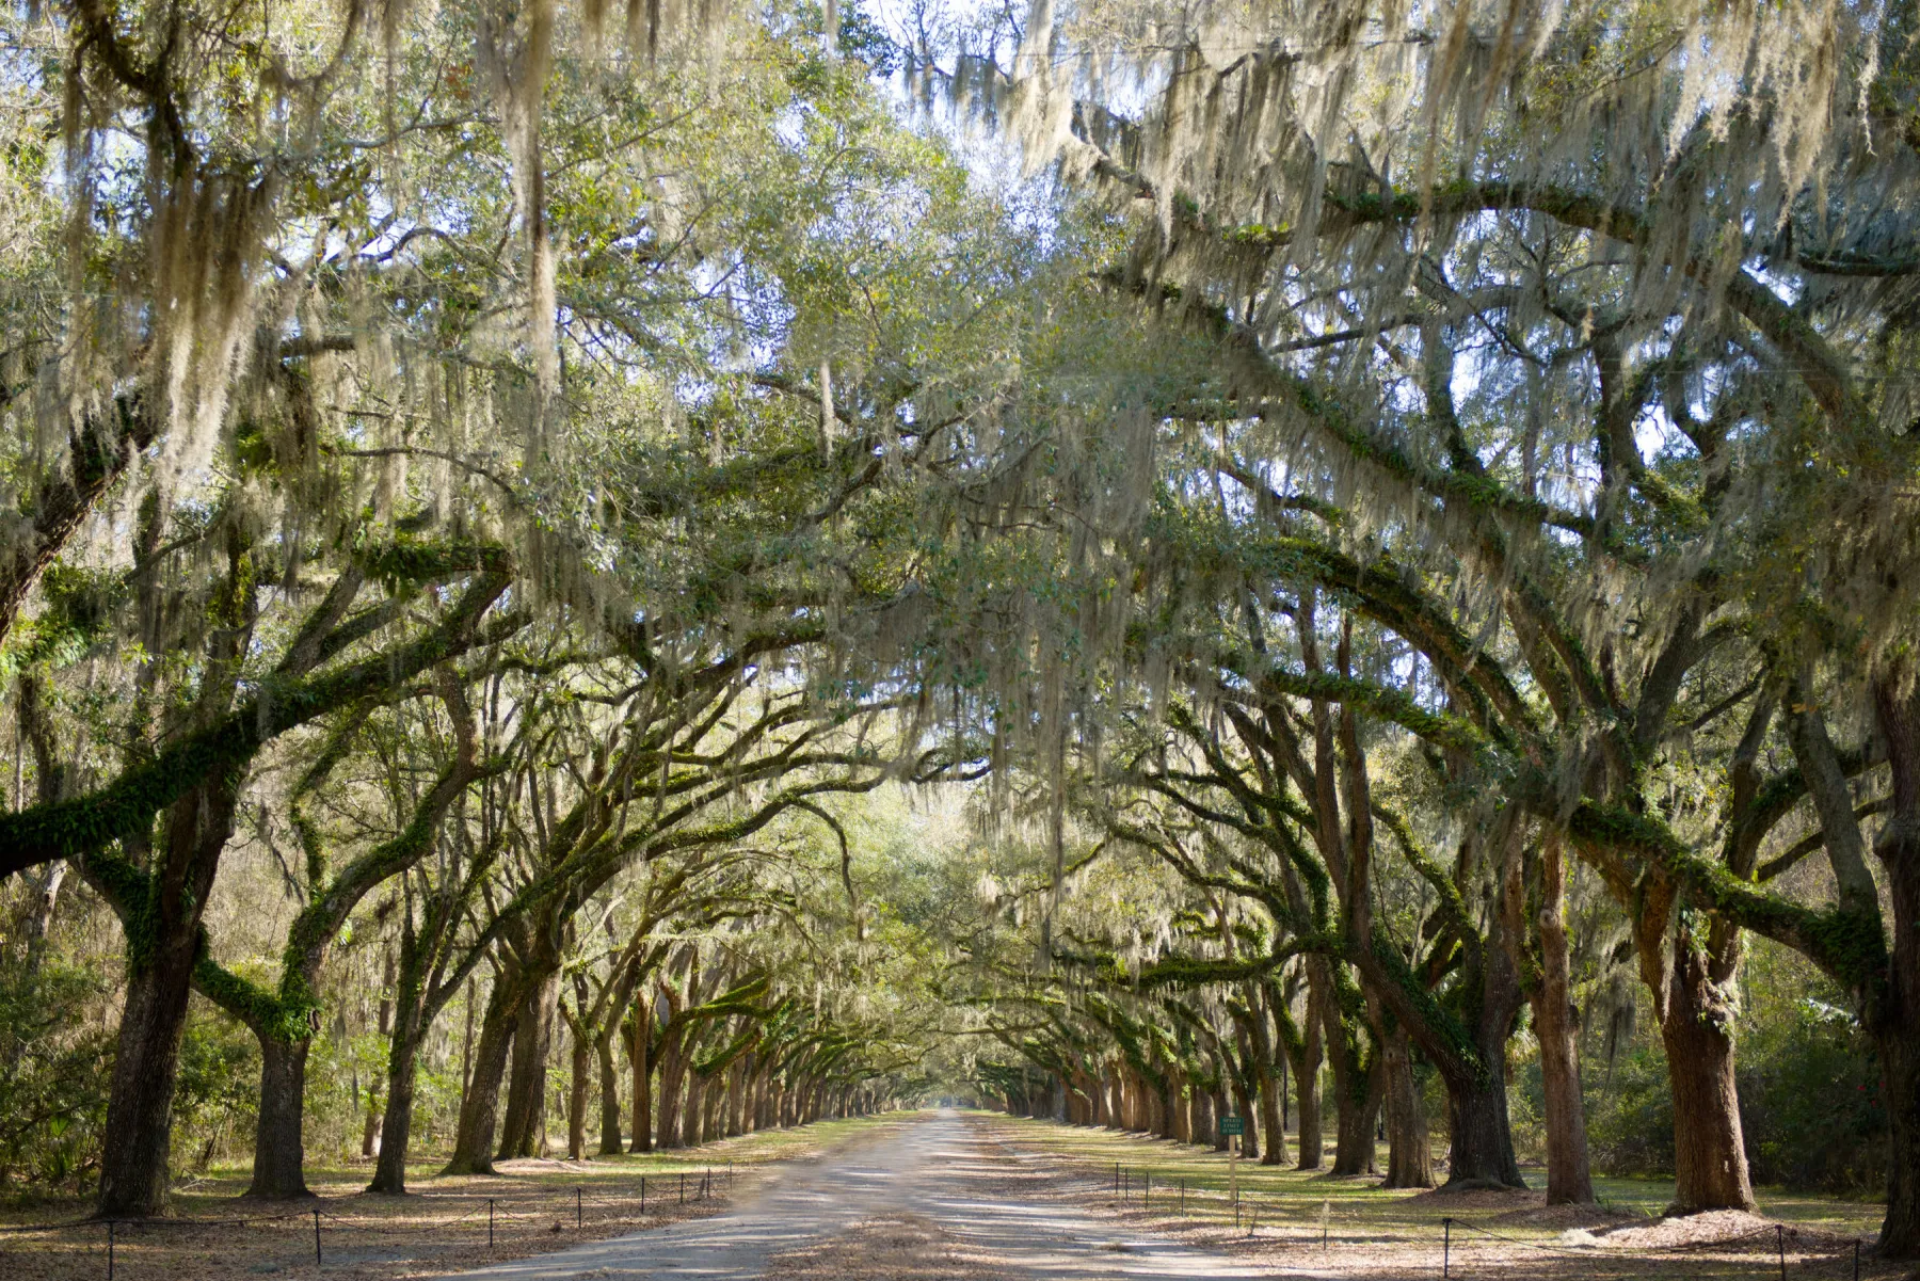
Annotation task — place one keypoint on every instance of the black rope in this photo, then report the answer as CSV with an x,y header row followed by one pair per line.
x,y
156,1222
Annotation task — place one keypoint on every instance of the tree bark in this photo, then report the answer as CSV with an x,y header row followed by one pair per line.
x,y
672,1075
134,1149
1409,1151
582,1055
278,1145
1696,1027
480,1108
1710,1157
1481,1151
396,1128
1569,1177
1356,1115
526,1111
1250,1137
609,1090
163,946
692,1117
1354,1096
639,1052
1306,1086
1258,1046
371,1130
1893,1015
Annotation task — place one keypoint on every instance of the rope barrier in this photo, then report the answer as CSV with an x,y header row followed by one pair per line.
x,y
1812,1247
155,1222
495,1207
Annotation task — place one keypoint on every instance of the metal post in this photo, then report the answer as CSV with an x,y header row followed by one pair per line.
x,y
1183,1198
316,1238
1126,1184
1446,1248
1233,1177
1146,1188
1116,1178
579,1212
643,1194
489,1223
1780,1243
1856,1259
683,1187
1856,1253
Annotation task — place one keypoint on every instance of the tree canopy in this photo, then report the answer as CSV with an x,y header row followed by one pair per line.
x,y
1137,561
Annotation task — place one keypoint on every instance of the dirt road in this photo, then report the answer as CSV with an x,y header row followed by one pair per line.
x,y
963,1190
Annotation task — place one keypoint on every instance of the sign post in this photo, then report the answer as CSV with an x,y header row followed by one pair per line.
x,y
1233,1127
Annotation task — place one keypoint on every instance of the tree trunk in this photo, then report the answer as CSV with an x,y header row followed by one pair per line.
x,y
480,1109
1249,1137
521,1131
582,1054
371,1130
1894,1017
277,1140
1898,1042
736,1098
1409,1151
1305,1062
162,946
1687,975
638,1052
1709,1153
134,1149
1481,1152
692,1128
609,1092
396,1130
672,1073
1569,1178
1356,1104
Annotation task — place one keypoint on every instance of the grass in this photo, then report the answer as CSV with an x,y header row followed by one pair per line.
x,y
442,1226
1352,1226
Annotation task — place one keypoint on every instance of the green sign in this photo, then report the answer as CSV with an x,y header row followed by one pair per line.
x,y
1233,1125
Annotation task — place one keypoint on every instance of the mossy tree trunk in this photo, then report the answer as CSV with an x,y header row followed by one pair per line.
x,y
525,1115
396,1127
480,1108
1253,1022
1244,1093
1569,1177
1894,1014
1409,1150
673,1071
1305,1054
1686,970
639,1049
162,905
609,1086
165,944
1353,1116
278,1135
